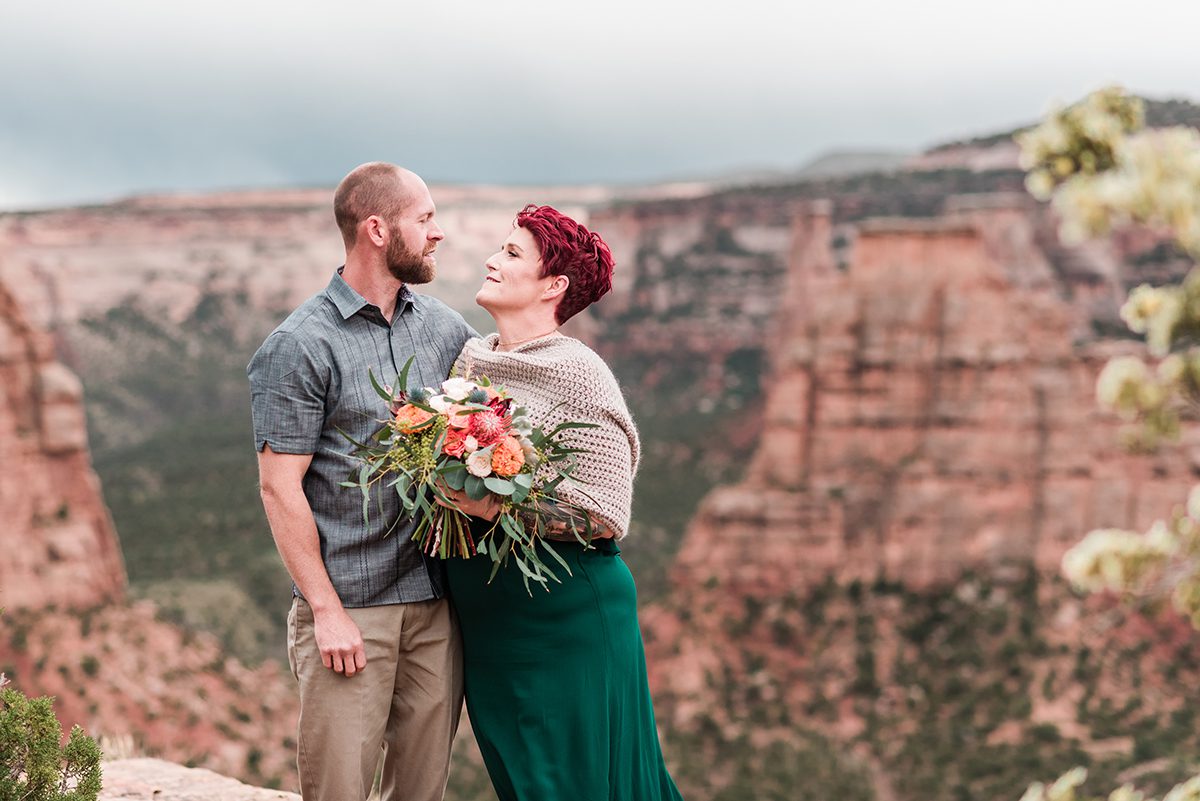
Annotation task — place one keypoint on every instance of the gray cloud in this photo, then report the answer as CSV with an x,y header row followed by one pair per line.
x,y
105,99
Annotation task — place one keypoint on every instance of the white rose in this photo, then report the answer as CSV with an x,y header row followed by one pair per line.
x,y
479,463
458,388
470,444
440,404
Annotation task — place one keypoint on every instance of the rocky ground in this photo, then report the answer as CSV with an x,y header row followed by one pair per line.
x,y
156,780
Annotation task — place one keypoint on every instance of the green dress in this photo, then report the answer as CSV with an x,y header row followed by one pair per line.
x,y
556,683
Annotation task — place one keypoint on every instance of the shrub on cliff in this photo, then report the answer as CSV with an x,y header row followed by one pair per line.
x,y
33,764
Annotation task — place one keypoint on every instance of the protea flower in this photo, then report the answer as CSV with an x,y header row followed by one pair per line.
x,y
488,426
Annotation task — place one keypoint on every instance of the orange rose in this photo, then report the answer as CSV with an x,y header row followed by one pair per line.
x,y
508,457
409,418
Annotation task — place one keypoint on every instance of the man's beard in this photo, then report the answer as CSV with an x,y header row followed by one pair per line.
x,y
407,265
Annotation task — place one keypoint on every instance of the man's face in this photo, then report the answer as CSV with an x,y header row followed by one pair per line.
x,y
414,238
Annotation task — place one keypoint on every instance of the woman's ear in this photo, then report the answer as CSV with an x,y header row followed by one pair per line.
x,y
556,287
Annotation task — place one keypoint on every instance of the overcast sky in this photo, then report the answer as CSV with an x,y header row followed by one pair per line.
x,y
103,99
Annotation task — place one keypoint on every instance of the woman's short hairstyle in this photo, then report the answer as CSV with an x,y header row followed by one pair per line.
x,y
569,249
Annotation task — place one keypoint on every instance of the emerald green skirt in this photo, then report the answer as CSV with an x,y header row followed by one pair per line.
x,y
556,683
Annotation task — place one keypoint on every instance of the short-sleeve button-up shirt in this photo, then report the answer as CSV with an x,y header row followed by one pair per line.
x,y
311,378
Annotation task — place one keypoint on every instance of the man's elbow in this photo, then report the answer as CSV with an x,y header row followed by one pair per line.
x,y
275,490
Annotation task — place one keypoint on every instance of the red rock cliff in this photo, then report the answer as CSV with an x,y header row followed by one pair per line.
x,y
930,409
58,541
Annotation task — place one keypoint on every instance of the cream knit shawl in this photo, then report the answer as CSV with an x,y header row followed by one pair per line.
x,y
544,373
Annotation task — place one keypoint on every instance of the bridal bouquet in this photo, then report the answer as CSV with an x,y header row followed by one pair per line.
x,y
469,436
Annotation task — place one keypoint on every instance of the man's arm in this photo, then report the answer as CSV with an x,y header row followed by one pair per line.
x,y
281,478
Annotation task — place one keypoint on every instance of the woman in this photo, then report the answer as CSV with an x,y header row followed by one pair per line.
x,y
556,683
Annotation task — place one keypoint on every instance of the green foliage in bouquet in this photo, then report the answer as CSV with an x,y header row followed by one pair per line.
x,y
470,438
33,766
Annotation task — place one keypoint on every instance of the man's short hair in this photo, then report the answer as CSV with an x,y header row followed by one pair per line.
x,y
375,188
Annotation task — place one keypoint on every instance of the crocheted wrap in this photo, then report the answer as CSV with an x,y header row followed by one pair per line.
x,y
553,370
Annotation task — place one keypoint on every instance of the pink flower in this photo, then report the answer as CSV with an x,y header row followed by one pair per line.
x,y
488,427
455,443
456,419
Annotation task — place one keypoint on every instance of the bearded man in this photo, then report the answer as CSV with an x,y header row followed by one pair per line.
x,y
372,641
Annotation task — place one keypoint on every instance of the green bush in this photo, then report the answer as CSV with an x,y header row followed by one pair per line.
x,y
33,766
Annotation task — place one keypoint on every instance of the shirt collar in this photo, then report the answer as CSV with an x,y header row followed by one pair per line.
x,y
350,303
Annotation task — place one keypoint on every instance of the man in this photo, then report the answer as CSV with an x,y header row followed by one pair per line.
x,y
371,639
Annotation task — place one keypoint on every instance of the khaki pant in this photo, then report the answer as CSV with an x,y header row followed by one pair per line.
x,y
404,705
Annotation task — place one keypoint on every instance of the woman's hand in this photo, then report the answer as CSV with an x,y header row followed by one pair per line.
x,y
488,508
559,529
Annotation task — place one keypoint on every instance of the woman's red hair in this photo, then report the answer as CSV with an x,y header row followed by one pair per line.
x,y
569,249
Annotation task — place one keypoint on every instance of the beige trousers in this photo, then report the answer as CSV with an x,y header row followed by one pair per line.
x,y
404,705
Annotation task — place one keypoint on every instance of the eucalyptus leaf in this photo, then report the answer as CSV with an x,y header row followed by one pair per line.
x,y
513,528
475,488
529,573
379,390
408,503
402,378
455,479
557,557
568,426
352,440
499,486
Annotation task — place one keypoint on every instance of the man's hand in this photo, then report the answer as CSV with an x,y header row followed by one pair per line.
x,y
488,508
281,477
339,641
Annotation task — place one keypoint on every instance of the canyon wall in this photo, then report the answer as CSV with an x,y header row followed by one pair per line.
x,y
56,535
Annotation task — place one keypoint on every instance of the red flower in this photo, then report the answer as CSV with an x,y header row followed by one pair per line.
x,y
488,426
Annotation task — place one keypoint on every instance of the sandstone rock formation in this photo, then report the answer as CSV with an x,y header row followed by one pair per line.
x,y
67,629
56,535
929,410
885,573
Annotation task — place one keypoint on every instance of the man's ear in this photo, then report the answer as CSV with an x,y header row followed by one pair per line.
x,y
375,230
556,288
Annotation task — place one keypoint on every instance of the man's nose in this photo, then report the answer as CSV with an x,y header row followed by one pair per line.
x,y
436,234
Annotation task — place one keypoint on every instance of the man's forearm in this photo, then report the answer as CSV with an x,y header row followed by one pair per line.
x,y
296,538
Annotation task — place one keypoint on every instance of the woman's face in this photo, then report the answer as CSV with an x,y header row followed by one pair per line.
x,y
513,279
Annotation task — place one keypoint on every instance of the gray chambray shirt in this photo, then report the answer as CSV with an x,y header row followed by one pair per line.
x,y
310,378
